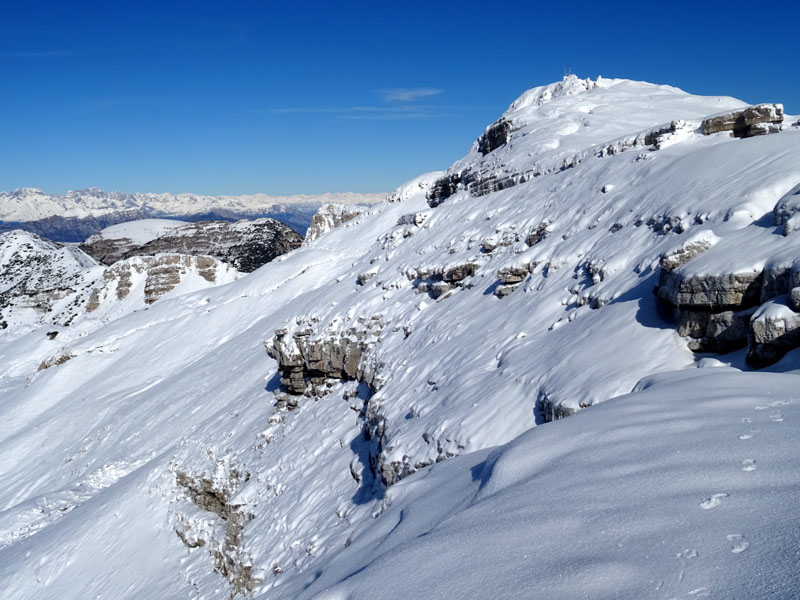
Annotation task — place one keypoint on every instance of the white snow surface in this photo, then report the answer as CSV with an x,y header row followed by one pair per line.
x,y
31,204
646,496
140,232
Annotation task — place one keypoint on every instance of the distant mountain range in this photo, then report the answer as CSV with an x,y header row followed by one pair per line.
x,y
74,216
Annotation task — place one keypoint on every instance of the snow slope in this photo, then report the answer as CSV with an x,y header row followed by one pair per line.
x,y
163,469
139,232
683,489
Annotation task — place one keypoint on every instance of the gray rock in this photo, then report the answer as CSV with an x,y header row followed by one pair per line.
x,y
511,274
715,332
774,330
501,291
456,273
246,245
786,207
719,292
539,234
496,135
747,122
331,216
794,299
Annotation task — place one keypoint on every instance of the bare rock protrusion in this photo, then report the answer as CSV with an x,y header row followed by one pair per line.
x,y
747,122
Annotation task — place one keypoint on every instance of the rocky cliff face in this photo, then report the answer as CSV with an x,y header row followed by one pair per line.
x,y
46,282
330,216
724,301
245,245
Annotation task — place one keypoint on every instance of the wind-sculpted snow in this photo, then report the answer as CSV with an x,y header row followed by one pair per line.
x,y
685,489
397,351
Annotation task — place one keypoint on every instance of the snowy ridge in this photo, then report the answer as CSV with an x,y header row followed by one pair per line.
x,y
410,342
138,232
32,204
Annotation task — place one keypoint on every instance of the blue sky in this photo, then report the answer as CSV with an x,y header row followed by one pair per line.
x,y
308,97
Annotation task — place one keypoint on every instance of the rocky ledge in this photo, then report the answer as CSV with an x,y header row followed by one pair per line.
x,y
246,245
723,303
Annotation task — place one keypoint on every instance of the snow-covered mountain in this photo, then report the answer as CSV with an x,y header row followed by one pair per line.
x,y
246,245
44,283
76,215
396,439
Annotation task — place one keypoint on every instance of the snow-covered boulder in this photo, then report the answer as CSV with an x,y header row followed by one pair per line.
x,y
786,209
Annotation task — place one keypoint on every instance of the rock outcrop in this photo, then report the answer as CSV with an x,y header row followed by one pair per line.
x,y
785,211
330,216
161,274
727,309
496,135
60,283
246,245
747,122
306,361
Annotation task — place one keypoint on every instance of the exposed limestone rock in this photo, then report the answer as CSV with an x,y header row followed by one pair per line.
x,y
246,245
774,330
786,208
780,276
501,291
417,218
439,289
456,273
499,239
747,122
330,216
215,495
723,291
794,299
496,135
437,281
511,274
551,411
162,274
720,332
54,361
306,361
363,278
442,189
687,251
540,233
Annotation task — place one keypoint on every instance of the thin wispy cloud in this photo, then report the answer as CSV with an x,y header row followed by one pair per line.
x,y
408,94
406,111
398,104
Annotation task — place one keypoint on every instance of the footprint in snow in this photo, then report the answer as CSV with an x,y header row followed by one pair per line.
x,y
739,543
747,420
713,502
776,417
745,436
749,465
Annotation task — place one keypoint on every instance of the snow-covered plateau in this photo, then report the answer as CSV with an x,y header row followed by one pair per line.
x,y
506,380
